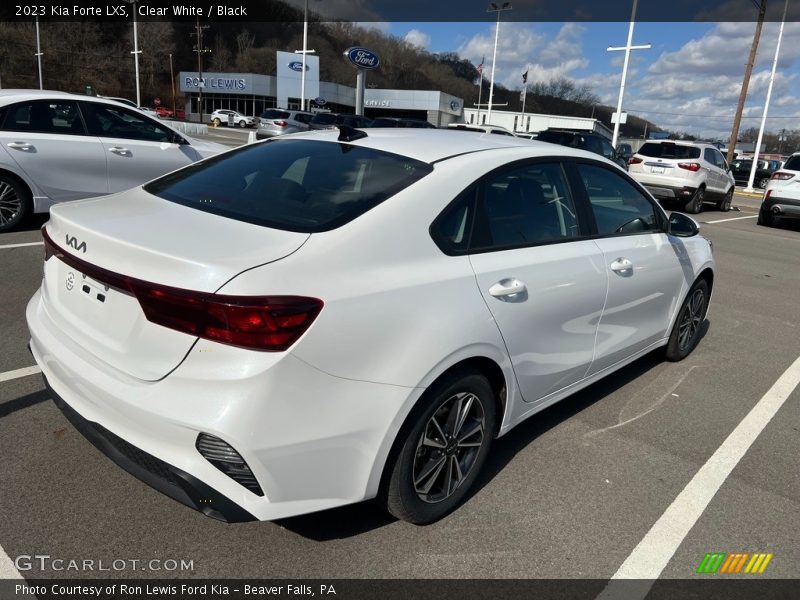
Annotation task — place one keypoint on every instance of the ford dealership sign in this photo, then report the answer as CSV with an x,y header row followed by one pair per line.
x,y
297,66
362,58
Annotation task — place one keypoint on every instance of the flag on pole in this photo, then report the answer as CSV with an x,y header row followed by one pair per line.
x,y
480,66
525,77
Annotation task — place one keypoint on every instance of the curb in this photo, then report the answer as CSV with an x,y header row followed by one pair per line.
x,y
757,195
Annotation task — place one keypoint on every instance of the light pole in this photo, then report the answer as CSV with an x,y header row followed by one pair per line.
x,y
752,177
136,52
493,7
627,48
305,50
39,54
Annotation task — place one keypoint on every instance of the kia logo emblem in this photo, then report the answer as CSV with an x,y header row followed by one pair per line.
x,y
362,58
296,65
72,242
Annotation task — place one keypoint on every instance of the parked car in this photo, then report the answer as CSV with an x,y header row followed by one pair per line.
x,y
684,173
56,147
124,101
782,196
225,117
402,122
740,169
585,140
150,112
277,121
168,113
328,120
348,314
497,129
624,152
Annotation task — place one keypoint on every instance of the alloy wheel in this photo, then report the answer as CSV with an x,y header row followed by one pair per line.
x,y
10,203
448,447
691,319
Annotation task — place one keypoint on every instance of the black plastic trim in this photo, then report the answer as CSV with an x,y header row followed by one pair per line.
x,y
170,481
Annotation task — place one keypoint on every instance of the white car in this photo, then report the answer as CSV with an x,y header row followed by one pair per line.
x,y
687,174
56,147
331,316
223,117
150,112
782,196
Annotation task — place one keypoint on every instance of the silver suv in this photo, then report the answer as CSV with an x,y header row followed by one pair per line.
x,y
685,173
277,121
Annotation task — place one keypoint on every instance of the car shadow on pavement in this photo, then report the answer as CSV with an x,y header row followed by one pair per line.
x,y
6,408
355,519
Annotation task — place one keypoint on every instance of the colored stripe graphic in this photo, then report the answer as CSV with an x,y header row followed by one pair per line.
x,y
711,562
730,564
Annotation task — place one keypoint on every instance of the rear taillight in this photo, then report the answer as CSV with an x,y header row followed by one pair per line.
x,y
634,161
690,166
268,323
280,123
767,195
782,175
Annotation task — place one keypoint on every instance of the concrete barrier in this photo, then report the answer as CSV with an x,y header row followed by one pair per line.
x,y
189,128
251,137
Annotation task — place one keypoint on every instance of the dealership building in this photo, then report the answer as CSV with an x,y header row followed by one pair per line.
x,y
534,122
252,93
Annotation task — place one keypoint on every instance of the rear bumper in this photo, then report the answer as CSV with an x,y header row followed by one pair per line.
x,y
670,192
782,207
167,479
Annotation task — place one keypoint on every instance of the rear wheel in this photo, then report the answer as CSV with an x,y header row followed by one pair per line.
x,y
687,329
765,218
763,182
444,449
725,204
694,205
15,203
216,122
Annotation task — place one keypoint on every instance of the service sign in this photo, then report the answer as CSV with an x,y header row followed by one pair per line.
x,y
362,58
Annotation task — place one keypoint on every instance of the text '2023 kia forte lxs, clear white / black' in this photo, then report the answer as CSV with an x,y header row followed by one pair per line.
x,y
334,316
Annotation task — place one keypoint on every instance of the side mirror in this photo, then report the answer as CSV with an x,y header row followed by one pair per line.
x,y
682,226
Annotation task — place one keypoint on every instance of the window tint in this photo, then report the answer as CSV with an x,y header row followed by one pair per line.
x,y
618,207
45,116
117,122
451,230
608,149
297,185
708,156
324,119
793,164
275,114
669,150
720,160
528,205
303,118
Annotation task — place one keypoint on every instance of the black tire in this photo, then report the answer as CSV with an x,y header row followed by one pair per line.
x,y
688,326
242,123
694,205
421,449
724,205
216,122
15,202
763,183
765,218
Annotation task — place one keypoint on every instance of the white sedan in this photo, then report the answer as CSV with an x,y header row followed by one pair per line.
x,y
334,316
56,147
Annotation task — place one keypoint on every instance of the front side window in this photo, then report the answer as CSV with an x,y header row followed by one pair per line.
x,y
617,205
296,185
105,120
528,205
45,116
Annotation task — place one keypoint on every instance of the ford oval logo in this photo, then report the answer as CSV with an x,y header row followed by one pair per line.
x,y
362,58
296,65
454,105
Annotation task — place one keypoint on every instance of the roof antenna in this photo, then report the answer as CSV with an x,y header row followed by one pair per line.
x,y
350,134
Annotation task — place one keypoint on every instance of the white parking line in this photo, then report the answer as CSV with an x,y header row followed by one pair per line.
x,y
22,245
16,374
658,546
732,219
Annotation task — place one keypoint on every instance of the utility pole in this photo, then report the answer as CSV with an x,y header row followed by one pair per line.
x,y
172,81
200,49
737,119
39,54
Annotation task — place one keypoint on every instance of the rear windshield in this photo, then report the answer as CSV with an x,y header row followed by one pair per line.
x,y
275,114
666,150
560,137
324,119
793,164
384,123
296,185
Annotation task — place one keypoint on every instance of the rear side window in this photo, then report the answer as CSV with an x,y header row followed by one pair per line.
x,y
324,119
275,114
303,117
45,116
793,164
296,185
618,207
667,150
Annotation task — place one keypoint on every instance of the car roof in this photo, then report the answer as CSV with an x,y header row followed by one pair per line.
x,y
432,145
10,96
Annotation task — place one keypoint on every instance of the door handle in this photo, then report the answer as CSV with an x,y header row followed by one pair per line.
x,y
119,150
21,145
621,265
507,287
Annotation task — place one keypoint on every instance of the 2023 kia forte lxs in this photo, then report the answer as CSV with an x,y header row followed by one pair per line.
x,y
324,318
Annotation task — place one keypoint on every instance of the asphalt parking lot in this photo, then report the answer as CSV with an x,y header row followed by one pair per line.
x,y
569,494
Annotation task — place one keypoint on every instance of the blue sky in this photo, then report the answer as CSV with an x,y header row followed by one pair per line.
x,y
689,80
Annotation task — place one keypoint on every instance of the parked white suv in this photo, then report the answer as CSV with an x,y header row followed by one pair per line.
x,y
782,196
223,117
685,173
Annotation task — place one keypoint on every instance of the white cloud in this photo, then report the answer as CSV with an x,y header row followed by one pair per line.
x,y
418,38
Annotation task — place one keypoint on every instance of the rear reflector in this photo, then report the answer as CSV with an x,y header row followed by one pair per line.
x,y
690,166
783,175
634,161
267,323
223,456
